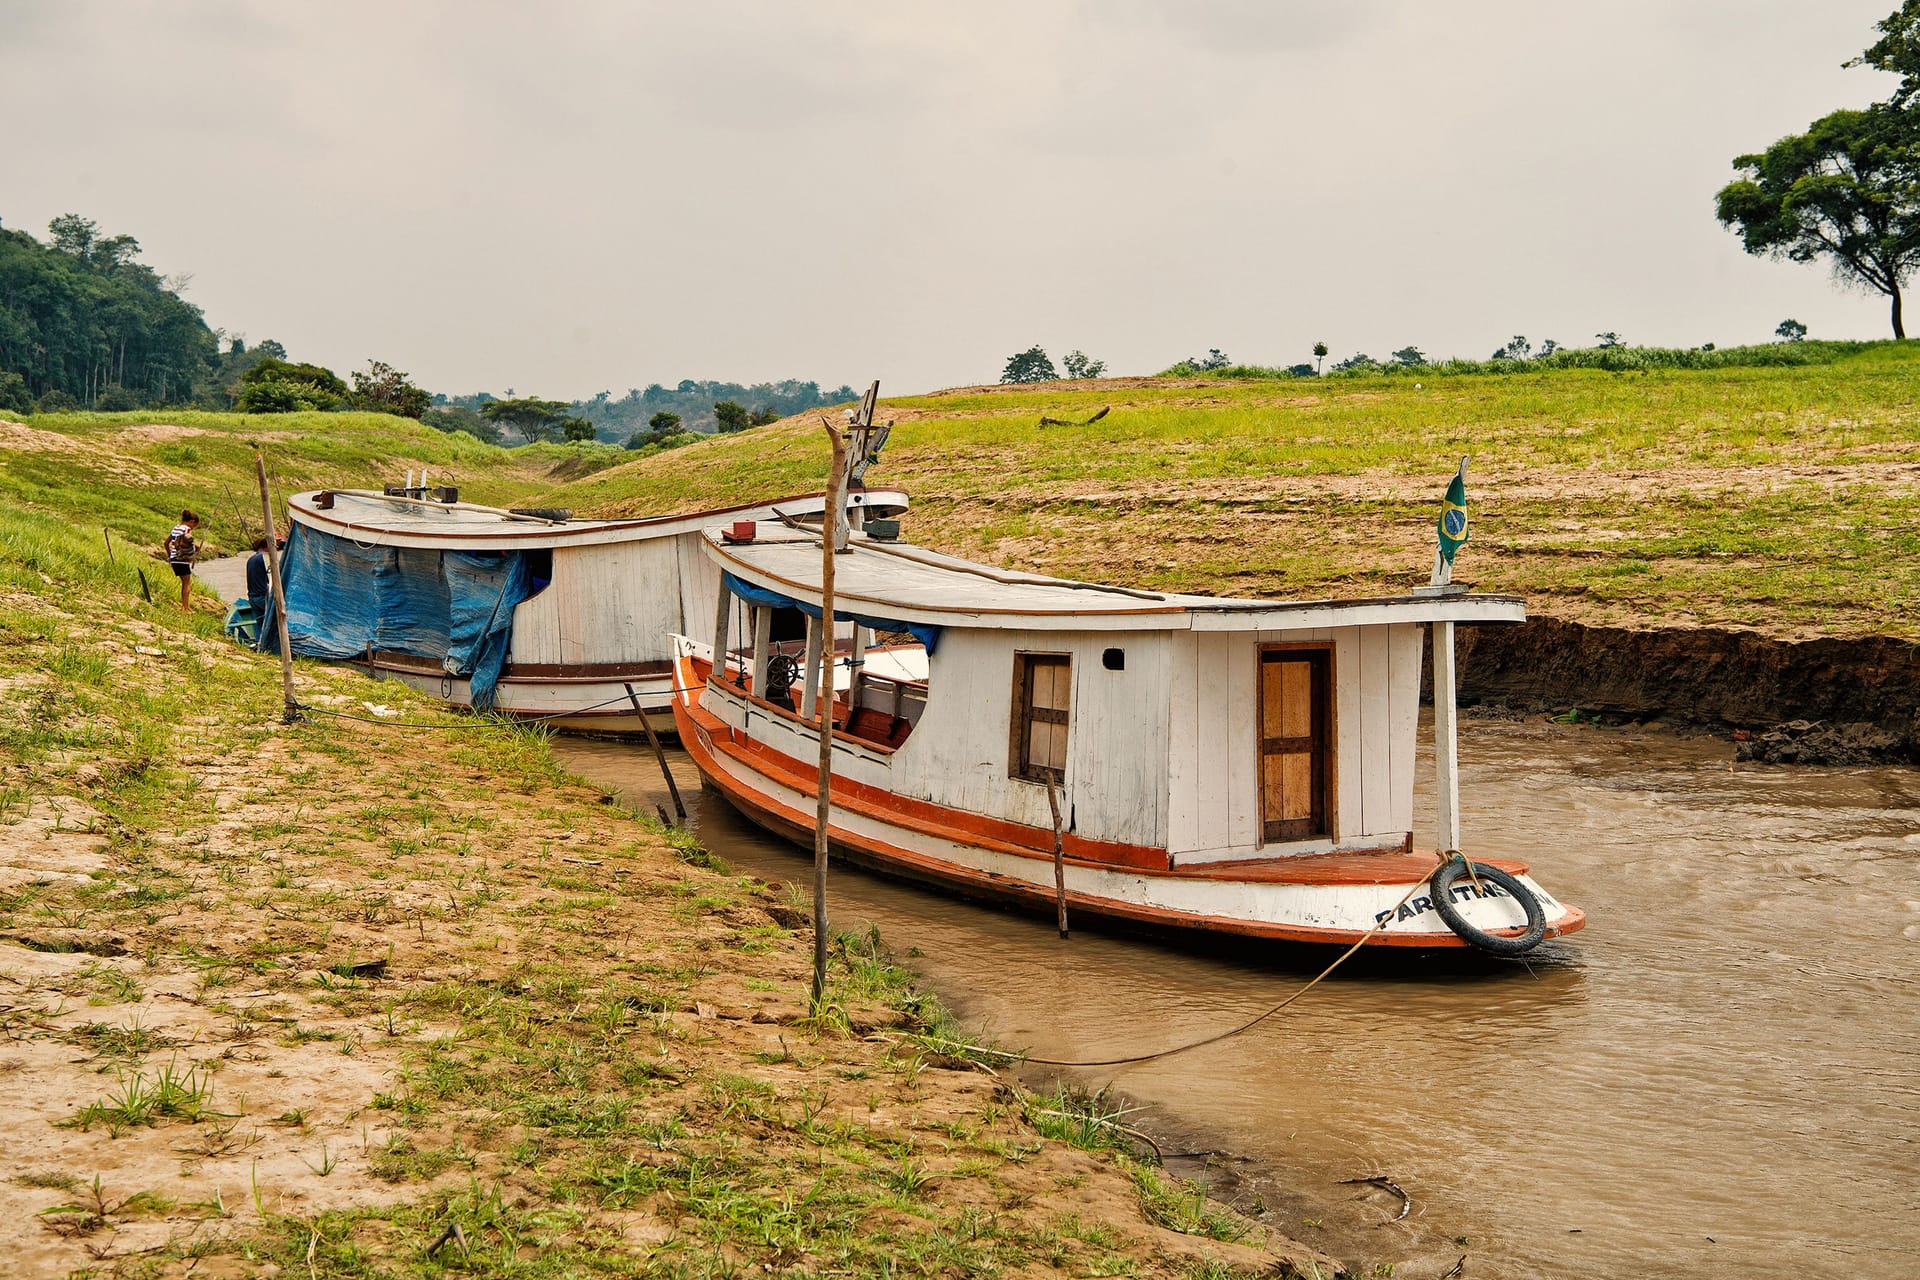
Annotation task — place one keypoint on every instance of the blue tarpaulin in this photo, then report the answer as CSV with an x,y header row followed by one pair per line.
x,y
927,634
454,607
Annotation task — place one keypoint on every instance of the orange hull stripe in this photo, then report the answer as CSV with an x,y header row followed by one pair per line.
x,y
932,819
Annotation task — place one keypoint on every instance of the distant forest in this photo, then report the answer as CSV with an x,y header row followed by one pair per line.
x,y
84,323
617,421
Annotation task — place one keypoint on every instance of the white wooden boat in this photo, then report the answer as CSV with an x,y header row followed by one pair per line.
x,y
1236,766
551,618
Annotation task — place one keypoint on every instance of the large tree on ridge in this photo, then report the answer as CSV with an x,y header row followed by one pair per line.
x,y
1847,190
535,419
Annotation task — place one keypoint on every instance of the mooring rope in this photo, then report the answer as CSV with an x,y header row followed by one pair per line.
x,y
505,721
1244,1027
1216,1038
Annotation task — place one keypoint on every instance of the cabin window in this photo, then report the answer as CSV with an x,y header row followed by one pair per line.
x,y
1295,744
539,569
1042,685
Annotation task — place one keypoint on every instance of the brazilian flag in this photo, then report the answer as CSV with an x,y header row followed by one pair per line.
x,y
1453,515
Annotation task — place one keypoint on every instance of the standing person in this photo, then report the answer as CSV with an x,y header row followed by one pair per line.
x,y
180,553
259,587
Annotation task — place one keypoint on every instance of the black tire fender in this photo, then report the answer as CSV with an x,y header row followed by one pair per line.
x,y
1441,887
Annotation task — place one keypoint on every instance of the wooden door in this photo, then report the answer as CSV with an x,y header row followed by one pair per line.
x,y
1294,743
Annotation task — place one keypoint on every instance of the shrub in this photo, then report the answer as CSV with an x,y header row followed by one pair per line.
x,y
13,392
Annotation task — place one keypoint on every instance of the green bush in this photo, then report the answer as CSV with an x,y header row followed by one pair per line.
x,y
13,392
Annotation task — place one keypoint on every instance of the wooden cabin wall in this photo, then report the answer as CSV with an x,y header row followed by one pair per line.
x,y
699,588
617,602
1213,754
1116,738
537,626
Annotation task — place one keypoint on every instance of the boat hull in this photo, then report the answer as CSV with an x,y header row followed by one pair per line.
x,y
1333,899
579,705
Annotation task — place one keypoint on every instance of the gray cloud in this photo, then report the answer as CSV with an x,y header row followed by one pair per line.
x,y
572,197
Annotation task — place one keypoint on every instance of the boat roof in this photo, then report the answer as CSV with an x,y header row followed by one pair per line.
x,y
387,520
913,584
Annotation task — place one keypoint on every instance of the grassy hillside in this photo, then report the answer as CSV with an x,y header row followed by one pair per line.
x,y
63,477
1781,498
304,999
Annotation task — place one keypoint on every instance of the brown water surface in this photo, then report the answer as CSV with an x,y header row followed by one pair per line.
x,y
1720,1076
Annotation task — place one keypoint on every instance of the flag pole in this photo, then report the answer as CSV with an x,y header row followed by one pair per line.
x,y
1446,735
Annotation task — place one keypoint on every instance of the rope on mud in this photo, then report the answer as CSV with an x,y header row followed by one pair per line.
x,y
502,722
1244,1027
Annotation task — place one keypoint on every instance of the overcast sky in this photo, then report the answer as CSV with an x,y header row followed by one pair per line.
x,y
568,197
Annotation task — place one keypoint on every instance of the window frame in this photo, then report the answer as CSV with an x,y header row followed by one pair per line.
x,y
1025,715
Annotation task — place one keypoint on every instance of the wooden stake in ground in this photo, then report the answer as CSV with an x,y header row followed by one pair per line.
x,y
1059,855
108,535
659,752
830,515
292,712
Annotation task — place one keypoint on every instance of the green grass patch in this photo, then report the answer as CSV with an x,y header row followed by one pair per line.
x,y
1757,487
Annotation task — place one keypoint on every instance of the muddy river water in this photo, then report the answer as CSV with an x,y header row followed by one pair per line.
x,y
1719,1077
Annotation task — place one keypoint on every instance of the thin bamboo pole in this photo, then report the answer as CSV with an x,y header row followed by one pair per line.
x,y
292,711
836,485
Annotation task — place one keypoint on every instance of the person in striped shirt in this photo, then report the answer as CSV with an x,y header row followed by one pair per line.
x,y
180,553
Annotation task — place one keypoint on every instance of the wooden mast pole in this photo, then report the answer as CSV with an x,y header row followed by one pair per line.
x,y
292,711
829,538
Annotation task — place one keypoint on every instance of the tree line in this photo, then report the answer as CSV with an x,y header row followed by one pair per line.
x,y
84,324
699,405
1518,356
82,319
656,416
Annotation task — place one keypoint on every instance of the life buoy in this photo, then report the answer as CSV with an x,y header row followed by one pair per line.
x,y
1441,887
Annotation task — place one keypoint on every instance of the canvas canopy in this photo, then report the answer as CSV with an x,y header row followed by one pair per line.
x,y
454,607
926,633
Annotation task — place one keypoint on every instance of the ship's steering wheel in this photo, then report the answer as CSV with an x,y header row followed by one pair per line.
x,y
782,671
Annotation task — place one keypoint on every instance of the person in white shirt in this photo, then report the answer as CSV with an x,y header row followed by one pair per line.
x,y
180,553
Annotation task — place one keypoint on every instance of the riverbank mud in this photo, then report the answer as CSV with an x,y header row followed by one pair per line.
x,y
1822,701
